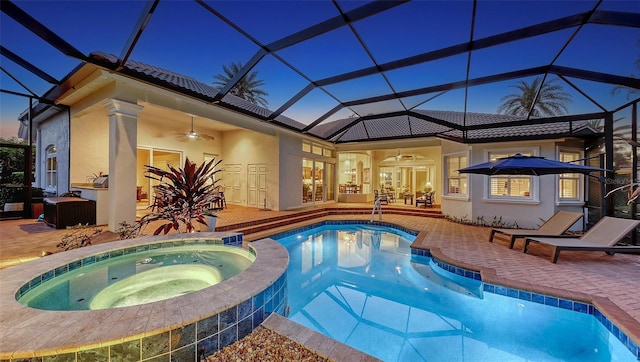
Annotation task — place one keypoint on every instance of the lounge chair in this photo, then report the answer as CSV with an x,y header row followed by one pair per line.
x,y
603,236
556,225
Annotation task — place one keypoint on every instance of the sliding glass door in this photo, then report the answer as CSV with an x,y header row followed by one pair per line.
x,y
318,180
157,158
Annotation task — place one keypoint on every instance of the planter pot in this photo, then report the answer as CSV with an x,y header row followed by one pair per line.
x,y
37,209
211,222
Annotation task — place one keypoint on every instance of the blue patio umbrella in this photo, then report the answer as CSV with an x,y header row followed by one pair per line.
x,y
527,165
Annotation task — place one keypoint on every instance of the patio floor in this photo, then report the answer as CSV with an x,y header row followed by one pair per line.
x,y
611,283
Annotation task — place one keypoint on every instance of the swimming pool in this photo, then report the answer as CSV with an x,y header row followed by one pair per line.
x,y
359,284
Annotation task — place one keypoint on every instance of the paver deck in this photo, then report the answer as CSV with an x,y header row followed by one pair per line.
x,y
609,282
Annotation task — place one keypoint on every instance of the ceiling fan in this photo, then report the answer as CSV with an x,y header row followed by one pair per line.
x,y
195,135
401,157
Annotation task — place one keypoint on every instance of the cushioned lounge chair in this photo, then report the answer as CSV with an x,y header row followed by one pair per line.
x,y
603,236
557,224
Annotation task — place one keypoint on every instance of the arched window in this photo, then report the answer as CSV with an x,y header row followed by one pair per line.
x,y
51,170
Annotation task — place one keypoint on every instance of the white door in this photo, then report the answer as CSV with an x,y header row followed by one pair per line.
x,y
262,185
257,185
233,183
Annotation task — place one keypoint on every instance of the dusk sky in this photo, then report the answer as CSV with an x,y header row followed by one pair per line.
x,y
185,38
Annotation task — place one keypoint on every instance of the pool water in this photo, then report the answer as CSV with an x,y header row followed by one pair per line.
x,y
360,285
139,278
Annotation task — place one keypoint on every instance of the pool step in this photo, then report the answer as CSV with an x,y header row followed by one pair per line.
x,y
258,226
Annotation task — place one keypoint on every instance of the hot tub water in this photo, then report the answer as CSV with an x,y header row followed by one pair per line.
x,y
139,278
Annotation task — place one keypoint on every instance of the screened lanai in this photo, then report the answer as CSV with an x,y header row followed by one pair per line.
x,y
347,72
361,63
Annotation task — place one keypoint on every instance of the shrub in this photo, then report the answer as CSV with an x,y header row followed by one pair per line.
x,y
79,237
496,221
182,198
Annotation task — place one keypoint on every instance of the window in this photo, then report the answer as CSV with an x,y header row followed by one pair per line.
x,y
317,149
386,178
456,182
51,169
306,147
507,185
569,183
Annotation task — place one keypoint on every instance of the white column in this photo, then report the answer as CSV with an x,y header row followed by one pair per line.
x,y
123,135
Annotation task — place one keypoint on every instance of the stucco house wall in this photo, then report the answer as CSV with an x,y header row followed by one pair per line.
x,y
245,148
289,174
89,142
526,213
53,132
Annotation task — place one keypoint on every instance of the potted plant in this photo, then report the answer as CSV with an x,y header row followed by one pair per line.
x,y
183,198
211,217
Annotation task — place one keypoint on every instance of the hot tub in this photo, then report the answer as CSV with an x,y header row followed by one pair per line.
x,y
184,328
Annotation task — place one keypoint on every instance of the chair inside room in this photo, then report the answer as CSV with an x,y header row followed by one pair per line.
x,y
391,196
428,199
221,202
141,194
380,196
431,198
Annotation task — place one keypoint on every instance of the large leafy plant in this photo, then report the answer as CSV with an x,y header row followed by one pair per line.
x,y
183,197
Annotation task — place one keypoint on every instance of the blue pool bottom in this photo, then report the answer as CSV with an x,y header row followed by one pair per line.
x,y
529,299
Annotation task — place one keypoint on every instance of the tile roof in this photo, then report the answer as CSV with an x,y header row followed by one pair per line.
x,y
420,123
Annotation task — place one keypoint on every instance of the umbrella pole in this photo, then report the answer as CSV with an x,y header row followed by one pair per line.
x,y
608,150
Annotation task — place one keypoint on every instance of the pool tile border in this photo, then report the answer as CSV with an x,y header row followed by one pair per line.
x,y
539,298
231,240
341,222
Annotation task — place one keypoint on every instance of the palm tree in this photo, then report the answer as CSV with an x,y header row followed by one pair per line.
x,y
620,131
551,101
247,88
631,92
